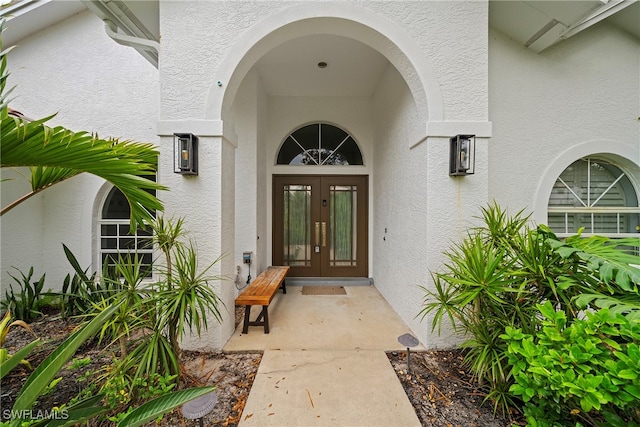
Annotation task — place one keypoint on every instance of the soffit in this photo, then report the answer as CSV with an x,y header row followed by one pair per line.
x,y
541,24
27,17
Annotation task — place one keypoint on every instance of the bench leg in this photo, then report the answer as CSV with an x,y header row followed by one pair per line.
x,y
284,286
265,318
247,313
261,320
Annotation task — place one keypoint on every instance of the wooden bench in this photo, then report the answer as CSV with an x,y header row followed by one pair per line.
x,y
260,292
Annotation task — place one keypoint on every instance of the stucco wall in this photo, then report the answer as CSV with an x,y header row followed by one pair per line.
x,y
441,51
192,53
400,199
579,97
247,160
75,70
452,37
253,185
418,209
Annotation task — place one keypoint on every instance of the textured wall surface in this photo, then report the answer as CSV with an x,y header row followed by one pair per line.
x,y
441,51
93,84
581,96
583,90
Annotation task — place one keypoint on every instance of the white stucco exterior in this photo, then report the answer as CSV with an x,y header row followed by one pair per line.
x,y
561,105
446,72
74,70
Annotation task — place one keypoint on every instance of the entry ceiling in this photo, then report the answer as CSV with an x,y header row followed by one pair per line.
x,y
353,69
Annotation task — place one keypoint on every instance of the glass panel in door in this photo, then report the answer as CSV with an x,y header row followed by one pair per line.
x,y
343,223
297,225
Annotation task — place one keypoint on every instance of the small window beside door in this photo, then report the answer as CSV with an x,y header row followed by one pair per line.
x,y
319,144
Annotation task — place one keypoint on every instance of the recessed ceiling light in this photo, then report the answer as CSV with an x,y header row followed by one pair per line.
x,y
322,64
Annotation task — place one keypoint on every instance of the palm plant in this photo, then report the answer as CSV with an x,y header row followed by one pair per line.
x,y
134,313
55,154
187,298
160,313
499,274
166,236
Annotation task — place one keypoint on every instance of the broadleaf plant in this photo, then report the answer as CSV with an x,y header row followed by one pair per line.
x,y
495,280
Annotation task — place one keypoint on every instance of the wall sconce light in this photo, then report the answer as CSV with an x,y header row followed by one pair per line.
x,y
185,153
462,157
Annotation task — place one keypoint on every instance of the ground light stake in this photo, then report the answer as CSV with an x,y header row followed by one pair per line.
x,y
408,341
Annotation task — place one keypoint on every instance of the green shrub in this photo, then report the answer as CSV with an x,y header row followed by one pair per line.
x,y
494,280
586,372
80,292
25,304
123,392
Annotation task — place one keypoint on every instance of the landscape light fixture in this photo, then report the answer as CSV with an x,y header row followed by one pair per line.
x,y
408,341
197,408
462,157
185,153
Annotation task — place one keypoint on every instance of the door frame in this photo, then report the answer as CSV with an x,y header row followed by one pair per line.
x,y
362,209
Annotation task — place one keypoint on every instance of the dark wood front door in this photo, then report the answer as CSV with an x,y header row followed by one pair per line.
x,y
320,225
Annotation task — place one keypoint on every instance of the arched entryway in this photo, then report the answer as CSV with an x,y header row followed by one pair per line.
x,y
355,70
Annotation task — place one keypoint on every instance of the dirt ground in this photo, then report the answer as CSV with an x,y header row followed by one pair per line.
x,y
441,392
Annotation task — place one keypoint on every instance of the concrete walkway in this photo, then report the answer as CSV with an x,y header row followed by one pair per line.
x,y
324,362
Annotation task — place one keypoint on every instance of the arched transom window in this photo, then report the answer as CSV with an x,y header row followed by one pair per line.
x,y
319,144
595,195
115,233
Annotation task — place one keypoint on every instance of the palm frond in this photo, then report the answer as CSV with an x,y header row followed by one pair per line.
x,y
55,154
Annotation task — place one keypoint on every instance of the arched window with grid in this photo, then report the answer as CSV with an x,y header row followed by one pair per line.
x,y
319,144
597,196
115,233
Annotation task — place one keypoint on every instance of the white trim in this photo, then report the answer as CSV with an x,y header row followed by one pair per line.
x,y
98,203
201,128
449,129
435,129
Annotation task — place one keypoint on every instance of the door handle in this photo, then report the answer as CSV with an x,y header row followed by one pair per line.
x,y
317,232
324,234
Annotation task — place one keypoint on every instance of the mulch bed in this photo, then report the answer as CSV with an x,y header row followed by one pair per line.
x,y
443,393
440,390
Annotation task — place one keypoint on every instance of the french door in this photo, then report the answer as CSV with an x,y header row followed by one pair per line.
x,y
320,225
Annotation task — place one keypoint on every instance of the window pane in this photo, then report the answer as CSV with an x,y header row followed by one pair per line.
x,y
343,223
115,206
350,152
144,243
127,243
109,243
143,232
115,232
319,144
109,229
